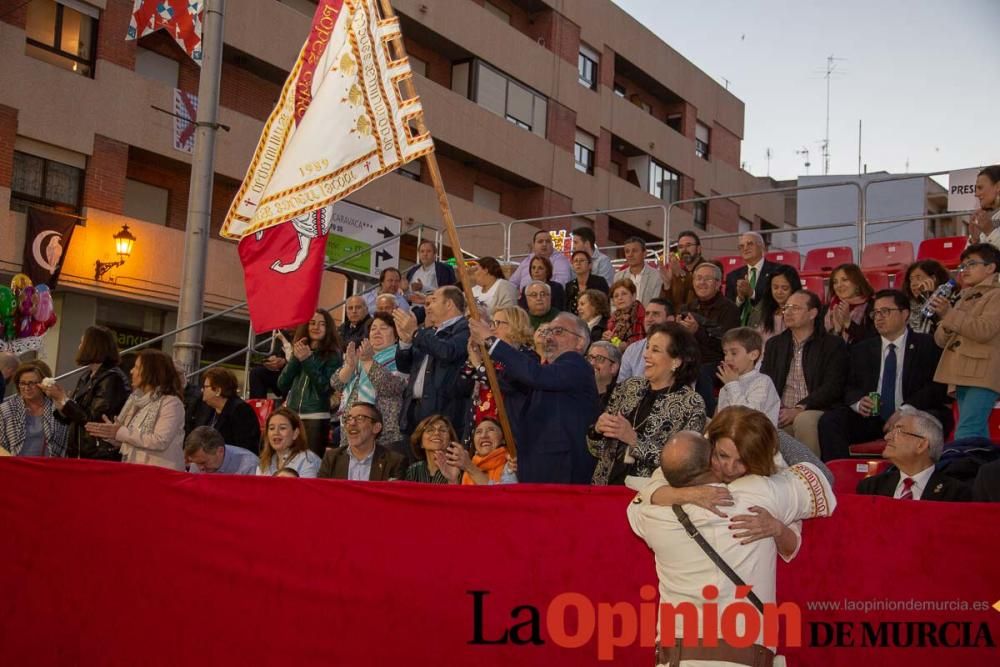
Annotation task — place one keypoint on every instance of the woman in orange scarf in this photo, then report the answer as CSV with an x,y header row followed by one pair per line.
x,y
491,464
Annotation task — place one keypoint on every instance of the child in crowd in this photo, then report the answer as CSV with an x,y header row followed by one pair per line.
x,y
743,383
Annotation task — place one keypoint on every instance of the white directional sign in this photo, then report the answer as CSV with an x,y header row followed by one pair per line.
x,y
355,228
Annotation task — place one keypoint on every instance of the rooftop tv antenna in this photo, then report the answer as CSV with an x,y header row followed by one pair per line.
x,y
831,66
768,154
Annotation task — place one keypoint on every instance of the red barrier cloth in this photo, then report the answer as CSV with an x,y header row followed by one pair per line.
x,y
111,564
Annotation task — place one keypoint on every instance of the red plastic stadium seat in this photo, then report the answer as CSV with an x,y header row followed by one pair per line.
x,y
262,407
946,250
815,284
821,261
729,264
848,472
872,448
790,257
879,280
891,256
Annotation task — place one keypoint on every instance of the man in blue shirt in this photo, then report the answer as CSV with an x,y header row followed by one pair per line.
x,y
206,451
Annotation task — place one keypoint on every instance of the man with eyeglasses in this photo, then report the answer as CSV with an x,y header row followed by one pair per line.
x,y
538,297
361,459
913,445
206,451
561,401
606,360
658,311
677,271
808,367
748,284
899,365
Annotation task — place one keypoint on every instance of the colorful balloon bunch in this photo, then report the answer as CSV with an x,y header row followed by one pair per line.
x,y
25,310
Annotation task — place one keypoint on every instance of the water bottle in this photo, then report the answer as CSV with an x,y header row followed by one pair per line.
x,y
944,290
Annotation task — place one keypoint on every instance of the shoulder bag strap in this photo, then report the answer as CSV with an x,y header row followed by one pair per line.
x,y
685,520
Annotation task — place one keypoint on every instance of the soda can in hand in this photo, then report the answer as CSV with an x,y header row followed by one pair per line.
x,y
876,400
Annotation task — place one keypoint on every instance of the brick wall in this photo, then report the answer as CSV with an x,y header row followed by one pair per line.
x,y
104,184
8,132
689,117
603,158
561,125
559,35
723,215
724,145
111,44
438,65
16,16
244,91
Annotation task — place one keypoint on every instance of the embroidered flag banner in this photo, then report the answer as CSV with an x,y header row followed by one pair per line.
x,y
186,111
341,121
181,18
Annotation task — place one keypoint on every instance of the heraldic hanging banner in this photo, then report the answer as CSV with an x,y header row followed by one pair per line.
x,y
340,122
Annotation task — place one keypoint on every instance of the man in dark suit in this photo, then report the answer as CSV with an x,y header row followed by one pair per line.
x,y
748,284
899,365
427,274
562,401
914,445
808,367
361,459
433,356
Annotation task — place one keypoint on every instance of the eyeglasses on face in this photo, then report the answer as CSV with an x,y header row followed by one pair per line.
x,y
969,263
28,384
897,429
437,428
598,359
536,295
356,419
792,308
497,323
559,331
883,312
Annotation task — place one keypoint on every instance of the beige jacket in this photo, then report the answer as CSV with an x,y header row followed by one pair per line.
x,y
970,336
163,447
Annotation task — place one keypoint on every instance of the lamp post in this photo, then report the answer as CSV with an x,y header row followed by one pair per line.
x,y
124,240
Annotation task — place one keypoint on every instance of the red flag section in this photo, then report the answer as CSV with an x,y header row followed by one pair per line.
x,y
180,18
282,266
110,564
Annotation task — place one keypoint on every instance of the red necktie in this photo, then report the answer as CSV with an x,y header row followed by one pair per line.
x,y
907,489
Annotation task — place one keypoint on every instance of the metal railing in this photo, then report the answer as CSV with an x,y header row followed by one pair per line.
x,y
247,349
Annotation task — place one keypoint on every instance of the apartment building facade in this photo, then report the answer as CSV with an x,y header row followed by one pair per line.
x,y
538,108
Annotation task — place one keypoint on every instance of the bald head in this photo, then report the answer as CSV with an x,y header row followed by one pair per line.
x,y
686,460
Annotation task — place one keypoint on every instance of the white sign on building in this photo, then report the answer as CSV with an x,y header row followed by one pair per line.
x,y
355,229
962,190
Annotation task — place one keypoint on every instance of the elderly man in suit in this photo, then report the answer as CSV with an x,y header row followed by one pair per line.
x,y
914,445
433,356
748,284
647,280
562,401
361,459
899,365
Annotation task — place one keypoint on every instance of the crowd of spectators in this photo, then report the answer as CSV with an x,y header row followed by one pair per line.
x,y
597,371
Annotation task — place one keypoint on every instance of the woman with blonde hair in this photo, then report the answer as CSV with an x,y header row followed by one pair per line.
x,y
284,446
512,326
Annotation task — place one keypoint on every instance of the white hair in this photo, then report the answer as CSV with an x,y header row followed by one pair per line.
x,y
927,426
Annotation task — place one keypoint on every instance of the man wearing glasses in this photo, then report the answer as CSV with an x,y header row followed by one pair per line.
x,y
899,366
914,445
606,360
538,297
561,401
361,459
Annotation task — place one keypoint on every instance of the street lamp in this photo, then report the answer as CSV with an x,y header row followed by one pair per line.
x,y
124,240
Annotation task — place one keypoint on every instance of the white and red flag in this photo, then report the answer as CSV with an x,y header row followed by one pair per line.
x,y
181,18
341,122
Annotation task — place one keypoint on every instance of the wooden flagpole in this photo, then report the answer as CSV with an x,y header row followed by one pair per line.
x,y
409,91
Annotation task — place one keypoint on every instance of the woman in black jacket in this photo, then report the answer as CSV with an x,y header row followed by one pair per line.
x,y
222,409
100,392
